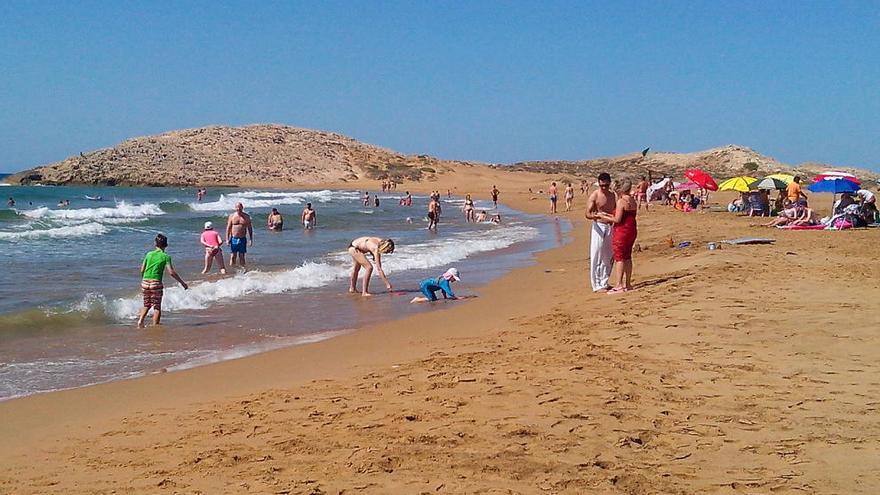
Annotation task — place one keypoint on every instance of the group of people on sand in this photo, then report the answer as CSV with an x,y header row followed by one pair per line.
x,y
612,210
388,185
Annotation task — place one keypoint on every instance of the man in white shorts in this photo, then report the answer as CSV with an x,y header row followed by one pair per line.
x,y
601,200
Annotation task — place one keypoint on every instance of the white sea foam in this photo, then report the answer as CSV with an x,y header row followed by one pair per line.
x,y
83,230
267,199
319,274
121,212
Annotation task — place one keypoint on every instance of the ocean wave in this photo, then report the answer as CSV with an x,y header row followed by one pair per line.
x,y
268,199
122,210
83,230
318,274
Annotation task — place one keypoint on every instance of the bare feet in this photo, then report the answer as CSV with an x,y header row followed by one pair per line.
x,y
366,294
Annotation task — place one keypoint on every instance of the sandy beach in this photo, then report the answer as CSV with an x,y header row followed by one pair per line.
x,y
747,369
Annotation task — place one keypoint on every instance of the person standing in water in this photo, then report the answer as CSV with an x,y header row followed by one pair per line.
x,y
623,236
433,213
155,263
600,201
309,217
469,209
212,242
11,202
275,221
495,193
554,195
359,249
238,229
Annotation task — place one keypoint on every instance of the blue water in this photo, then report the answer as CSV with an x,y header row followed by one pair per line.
x,y
69,292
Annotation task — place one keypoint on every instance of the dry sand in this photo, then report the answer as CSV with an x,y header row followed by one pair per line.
x,y
748,369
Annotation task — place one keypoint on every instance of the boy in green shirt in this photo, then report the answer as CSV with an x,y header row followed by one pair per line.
x,y
154,265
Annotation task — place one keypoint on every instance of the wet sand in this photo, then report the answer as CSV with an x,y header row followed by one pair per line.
x,y
749,369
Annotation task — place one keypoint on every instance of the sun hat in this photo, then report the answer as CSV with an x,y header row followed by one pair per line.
x,y
209,225
452,274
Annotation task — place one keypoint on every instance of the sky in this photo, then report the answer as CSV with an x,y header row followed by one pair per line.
x,y
492,81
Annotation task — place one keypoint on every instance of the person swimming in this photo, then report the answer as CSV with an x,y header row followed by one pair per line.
x,y
275,221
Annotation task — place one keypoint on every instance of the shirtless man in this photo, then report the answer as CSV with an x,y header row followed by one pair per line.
x,y
642,194
600,201
569,196
495,193
275,221
554,195
433,213
238,229
359,249
309,217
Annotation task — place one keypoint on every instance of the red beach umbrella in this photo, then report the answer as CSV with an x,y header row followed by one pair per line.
x,y
702,179
834,175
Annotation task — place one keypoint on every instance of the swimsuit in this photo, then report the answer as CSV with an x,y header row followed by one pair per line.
x,y
153,291
430,286
238,245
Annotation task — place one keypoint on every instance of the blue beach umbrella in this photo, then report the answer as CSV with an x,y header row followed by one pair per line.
x,y
836,186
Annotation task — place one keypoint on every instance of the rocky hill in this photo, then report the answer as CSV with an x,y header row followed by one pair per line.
x,y
723,162
235,155
277,154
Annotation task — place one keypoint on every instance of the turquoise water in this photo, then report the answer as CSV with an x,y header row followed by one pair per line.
x,y
69,294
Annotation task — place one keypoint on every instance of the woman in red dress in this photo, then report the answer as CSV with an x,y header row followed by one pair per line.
x,y
623,236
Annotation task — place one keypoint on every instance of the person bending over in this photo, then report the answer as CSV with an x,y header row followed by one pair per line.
x,y
430,286
359,249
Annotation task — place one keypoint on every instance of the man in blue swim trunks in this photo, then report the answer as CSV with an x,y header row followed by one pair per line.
x,y
238,229
430,286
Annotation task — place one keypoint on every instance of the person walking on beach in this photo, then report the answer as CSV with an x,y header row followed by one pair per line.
x,y
238,229
553,197
433,213
430,286
275,221
359,249
600,201
495,193
155,263
623,236
642,193
309,217
569,196
212,242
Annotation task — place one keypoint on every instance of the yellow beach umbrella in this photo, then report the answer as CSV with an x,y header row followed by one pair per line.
x,y
783,177
740,184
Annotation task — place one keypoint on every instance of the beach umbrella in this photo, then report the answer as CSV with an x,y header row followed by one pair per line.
x,y
740,184
768,183
787,178
701,178
833,175
834,186
687,186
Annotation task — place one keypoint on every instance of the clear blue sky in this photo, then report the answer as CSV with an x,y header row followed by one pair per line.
x,y
490,81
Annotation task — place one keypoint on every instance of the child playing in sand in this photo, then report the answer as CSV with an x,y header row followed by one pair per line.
x,y
430,286
154,266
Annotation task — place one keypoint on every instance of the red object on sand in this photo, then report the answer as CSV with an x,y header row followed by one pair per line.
x,y
702,179
833,175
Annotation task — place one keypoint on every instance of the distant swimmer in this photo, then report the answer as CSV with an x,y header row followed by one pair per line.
x,y
155,263
430,286
11,202
359,249
212,241
366,198
481,217
238,229
275,221
495,193
408,199
376,200
496,218
309,217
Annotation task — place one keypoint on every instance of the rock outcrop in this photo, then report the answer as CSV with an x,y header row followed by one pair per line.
x,y
235,155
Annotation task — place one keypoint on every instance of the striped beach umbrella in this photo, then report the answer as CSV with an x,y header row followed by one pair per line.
x,y
834,175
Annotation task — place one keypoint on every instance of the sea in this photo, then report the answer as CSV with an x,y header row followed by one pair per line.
x,y
69,290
